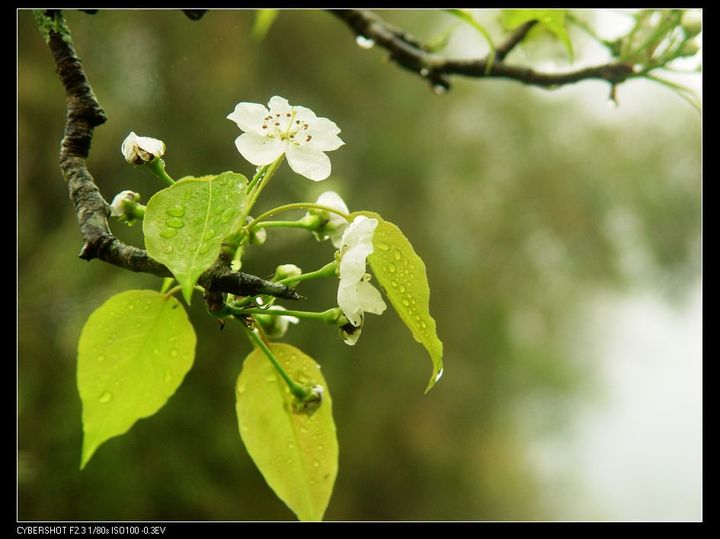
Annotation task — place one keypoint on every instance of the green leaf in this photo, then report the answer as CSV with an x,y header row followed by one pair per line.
x,y
297,454
467,17
401,273
552,19
264,19
185,224
133,354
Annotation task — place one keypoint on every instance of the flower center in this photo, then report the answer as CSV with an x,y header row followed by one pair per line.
x,y
285,127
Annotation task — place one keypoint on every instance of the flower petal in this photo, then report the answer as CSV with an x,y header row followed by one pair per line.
x,y
369,298
360,231
336,224
347,299
308,162
324,135
249,116
259,150
279,105
352,264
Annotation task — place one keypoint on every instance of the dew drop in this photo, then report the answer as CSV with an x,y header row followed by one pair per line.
x,y
320,447
101,359
270,378
291,446
204,249
391,268
383,246
173,352
402,289
240,391
175,222
175,211
364,42
406,302
226,215
210,233
105,397
424,72
168,233
167,376
316,463
423,324
397,255
438,375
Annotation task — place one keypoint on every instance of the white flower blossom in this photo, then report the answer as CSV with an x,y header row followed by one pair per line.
x,y
140,150
355,294
293,130
336,224
276,326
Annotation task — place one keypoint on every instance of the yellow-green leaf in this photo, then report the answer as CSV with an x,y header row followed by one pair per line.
x,y
133,354
185,224
296,453
401,273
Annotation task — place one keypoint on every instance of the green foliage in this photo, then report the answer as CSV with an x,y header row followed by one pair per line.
x,y
551,19
133,354
296,453
401,273
185,224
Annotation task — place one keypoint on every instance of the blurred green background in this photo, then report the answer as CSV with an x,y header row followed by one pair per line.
x,y
528,207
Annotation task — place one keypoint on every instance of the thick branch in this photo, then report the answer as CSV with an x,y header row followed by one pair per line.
x,y
411,55
83,115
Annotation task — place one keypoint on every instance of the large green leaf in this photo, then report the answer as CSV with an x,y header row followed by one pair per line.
x,y
296,453
185,224
401,273
133,354
552,19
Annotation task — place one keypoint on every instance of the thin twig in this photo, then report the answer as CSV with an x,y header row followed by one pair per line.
x,y
410,54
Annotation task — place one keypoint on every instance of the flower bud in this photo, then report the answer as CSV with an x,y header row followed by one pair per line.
x,y
141,150
126,208
691,22
285,271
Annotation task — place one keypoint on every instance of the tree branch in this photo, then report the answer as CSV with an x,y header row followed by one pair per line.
x,y
83,115
410,54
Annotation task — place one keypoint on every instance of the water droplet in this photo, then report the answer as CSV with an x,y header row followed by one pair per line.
x,y
320,447
438,375
291,445
397,255
364,42
240,391
423,324
424,72
316,463
383,246
167,376
270,378
173,352
175,211
188,195
210,233
105,397
402,289
406,302
439,89
101,358
156,351
175,222
204,249
131,307
168,233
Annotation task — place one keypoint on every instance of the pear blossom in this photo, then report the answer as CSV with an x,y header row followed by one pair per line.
x,y
355,294
284,129
335,224
141,150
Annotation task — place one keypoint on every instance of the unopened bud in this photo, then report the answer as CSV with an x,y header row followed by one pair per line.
x,y
141,150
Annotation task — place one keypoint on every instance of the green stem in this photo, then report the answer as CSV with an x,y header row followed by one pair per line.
x,y
295,206
173,290
328,270
329,317
157,167
295,389
286,224
258,176
266,177
167,283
